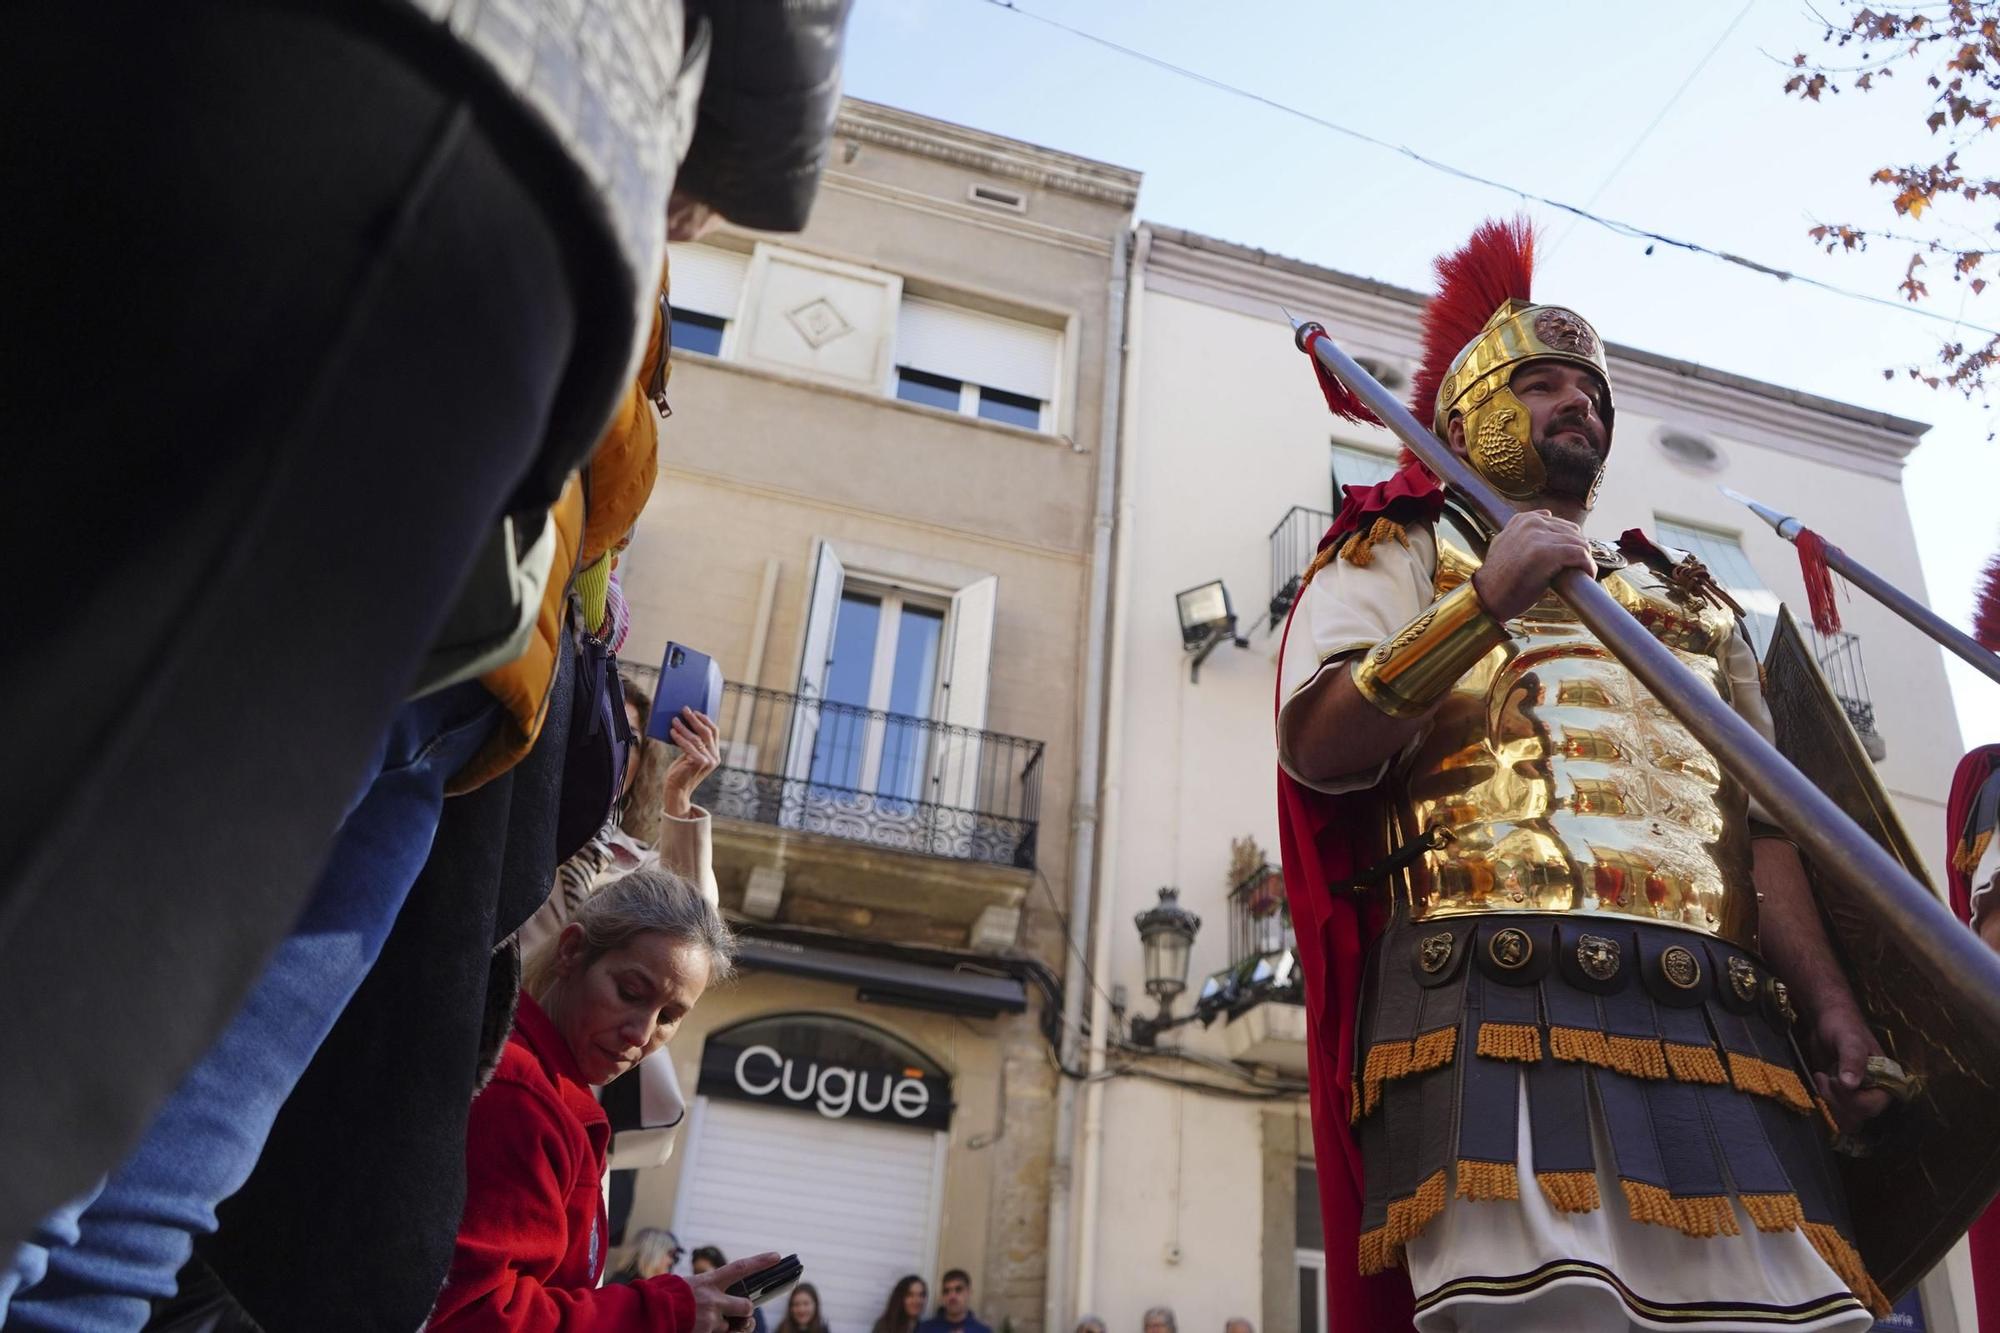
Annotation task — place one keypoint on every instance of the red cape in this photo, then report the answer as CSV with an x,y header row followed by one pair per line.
x,y
1323,840
1984,1239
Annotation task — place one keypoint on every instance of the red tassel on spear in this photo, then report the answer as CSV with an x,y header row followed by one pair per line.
x,y
1819,582
1822,559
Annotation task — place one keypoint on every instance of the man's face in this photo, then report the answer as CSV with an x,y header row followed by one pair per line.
x,y
957,1295
1565,405
1157,1324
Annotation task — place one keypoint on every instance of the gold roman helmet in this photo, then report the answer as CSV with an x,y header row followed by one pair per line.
x,y
1479,387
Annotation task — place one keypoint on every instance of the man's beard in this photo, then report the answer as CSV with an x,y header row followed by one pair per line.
x,y
1570,462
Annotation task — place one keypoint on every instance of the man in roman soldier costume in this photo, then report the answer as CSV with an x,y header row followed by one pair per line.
x,y
1555,958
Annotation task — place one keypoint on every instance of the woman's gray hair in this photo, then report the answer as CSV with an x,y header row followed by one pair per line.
x,y
652,900
1163,1313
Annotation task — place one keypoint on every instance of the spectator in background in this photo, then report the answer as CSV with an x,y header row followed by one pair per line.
x,y
607,992
1090,1323
706,1259
1239,1325
954,1313
1160,1319
905,1309
802,1313
655,1253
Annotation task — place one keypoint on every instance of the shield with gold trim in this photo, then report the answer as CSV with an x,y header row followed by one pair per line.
x,y
1929,1166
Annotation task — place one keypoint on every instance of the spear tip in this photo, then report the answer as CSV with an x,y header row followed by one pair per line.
x,y
1783,524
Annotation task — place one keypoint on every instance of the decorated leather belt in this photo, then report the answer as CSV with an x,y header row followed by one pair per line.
x,y
1678,1045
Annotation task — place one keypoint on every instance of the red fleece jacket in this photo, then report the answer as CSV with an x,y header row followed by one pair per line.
x,y
531,1246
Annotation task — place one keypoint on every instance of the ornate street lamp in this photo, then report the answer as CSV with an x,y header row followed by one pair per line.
x,y
1166,934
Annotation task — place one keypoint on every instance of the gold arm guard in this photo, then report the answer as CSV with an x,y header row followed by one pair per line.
x,y
1405,675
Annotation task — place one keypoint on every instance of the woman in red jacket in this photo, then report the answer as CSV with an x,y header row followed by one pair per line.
x,y
604,994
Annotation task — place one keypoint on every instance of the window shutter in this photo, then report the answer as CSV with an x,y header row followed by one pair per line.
x,y
857,1199
958,779
706,279
977,348
822,606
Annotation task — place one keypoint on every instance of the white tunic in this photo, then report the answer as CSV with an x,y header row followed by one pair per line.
x,y
1512,1267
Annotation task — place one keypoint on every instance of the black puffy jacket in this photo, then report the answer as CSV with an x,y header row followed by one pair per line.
x,y
767,108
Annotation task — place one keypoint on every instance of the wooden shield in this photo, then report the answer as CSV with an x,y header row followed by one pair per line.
x,y
1934,1162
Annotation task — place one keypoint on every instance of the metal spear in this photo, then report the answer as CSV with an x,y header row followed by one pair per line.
x,y
1916,920
1883,591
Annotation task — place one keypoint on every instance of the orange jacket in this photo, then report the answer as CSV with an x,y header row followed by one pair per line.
x,y
622,470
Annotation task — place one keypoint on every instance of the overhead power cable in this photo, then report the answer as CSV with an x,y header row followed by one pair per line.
x,y
1625,159
1628,230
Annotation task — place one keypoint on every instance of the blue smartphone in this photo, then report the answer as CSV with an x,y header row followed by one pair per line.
x,y
688,679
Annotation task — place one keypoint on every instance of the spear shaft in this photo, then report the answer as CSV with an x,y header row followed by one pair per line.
x,y
1907,911
1909,608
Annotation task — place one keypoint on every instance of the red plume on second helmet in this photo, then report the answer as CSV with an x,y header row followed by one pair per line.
x,y
1986,606
1495,266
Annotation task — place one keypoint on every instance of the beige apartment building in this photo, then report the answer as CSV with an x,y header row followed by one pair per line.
x,y
880,497
1199,1193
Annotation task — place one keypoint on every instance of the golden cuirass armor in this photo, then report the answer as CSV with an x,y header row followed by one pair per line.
x,y
1566,787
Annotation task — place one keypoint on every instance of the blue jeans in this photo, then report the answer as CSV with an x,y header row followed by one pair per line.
x,y
98,1263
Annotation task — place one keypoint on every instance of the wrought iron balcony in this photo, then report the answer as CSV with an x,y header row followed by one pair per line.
x,y
886,779
1263,953
1293,543
1839,658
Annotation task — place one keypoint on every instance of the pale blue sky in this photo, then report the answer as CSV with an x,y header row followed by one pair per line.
x,y
1546,96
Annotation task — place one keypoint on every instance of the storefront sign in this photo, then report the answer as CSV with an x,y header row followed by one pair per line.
x,y
856,1076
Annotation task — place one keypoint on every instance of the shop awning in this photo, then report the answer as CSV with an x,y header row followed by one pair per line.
x,y
879,980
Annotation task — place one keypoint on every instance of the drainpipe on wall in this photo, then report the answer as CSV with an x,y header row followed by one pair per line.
x,y
1083,833
1089,1167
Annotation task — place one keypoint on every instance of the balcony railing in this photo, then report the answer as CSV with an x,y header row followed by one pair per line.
x,y
1293,543
1840,660
1263,952
886,779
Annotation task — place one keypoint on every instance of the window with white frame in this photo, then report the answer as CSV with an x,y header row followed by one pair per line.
x,y
885,658
1723,553
704,290
1354,466
883,664
1309,1250
977,364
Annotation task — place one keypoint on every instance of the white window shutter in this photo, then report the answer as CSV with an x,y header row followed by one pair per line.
x,y
706,279
969,663
855,1197
822,608
956,778
978,348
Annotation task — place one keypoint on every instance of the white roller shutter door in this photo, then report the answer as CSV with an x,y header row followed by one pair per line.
x,y
706,279
855,1200
975,348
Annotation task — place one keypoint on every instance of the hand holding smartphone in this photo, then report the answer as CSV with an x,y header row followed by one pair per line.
x,y
769,1284
688,679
